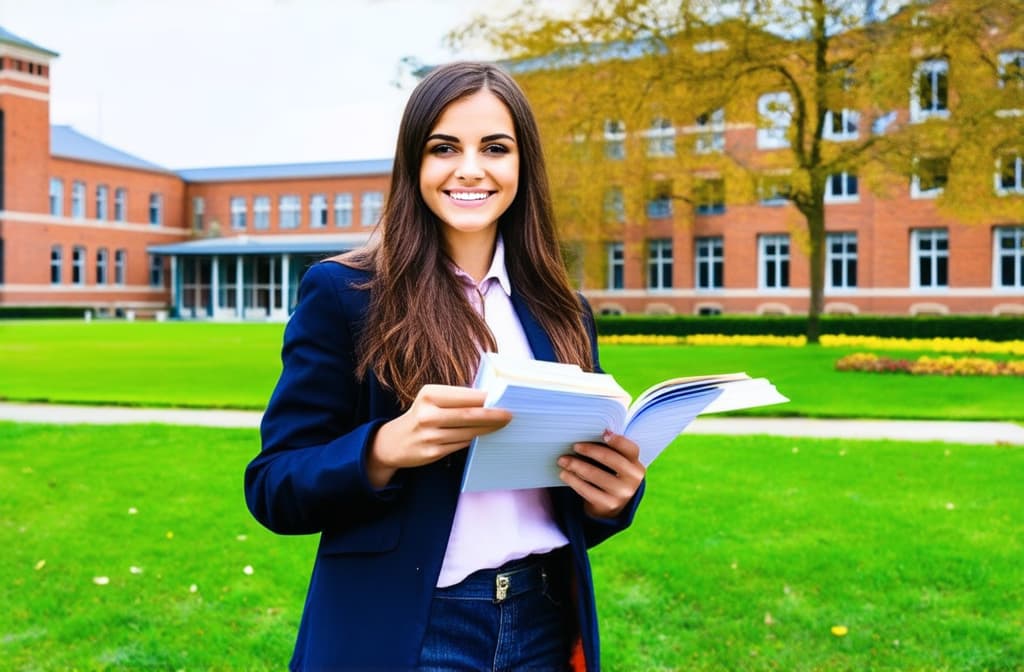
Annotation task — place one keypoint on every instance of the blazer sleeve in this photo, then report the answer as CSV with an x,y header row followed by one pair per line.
x,y
311,473
596,530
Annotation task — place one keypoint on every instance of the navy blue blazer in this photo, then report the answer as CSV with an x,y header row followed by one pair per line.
x,y
380,551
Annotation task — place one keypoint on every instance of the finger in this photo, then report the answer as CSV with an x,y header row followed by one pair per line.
x,y
610,459
622,444
489,419
452,396
596,475
599,502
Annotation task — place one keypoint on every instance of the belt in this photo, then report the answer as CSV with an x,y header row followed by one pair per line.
x,y
532,573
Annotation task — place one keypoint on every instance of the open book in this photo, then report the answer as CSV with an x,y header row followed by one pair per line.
x,y
556,405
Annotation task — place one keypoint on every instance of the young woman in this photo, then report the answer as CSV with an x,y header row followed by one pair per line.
x,y
363,437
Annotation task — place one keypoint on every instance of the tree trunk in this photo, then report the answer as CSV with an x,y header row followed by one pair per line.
x,y
816,230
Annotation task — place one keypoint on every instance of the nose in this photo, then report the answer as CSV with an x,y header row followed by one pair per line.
x,y
469,167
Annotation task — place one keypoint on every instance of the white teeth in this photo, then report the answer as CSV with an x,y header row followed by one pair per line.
x,y
468,195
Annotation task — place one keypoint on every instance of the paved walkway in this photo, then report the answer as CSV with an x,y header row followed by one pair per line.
x,y
1004,433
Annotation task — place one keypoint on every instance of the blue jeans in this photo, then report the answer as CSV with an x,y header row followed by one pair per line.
x,y
515,617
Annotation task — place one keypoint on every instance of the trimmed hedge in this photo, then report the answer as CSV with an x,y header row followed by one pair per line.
x,y
959,326
40,312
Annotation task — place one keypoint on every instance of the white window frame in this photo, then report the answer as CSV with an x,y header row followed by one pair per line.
x,y
709,256
261,213
710,132
289,212
849,188
933,68
156,270
616,279
156,209
848,122
120,204
775,110
102,202
915,184
78,261
934,253
56,197
659,264
659,206
198,210
102,266
343,209
769,188
1014,235
661,138
844,256
702,190
1017,170
56,265
318,211
238,207
776,260
78,199
120,266
370,207
614,139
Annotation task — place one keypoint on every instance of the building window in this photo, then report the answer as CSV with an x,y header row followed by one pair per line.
x,y
929,258
776,111
929,96
101,266
239,209
710,263
156,270
102,202
711,132
343,209
614,205
659,264
1011,69
661,138
56,265
156,209
120,266
318,211
1009,257
120,204
841,125
773,189
56,197
78,265
710,196
616,266
371,206
289,211
615,139
660,204
1010,174
198,207
773,271
841,260
78,200
930,176
841,188
261,212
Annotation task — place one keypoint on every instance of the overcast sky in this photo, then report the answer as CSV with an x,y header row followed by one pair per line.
x,y
195,83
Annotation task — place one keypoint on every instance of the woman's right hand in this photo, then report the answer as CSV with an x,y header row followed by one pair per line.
x,y
441,420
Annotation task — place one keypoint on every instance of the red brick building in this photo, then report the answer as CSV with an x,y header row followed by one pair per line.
x,y
85,225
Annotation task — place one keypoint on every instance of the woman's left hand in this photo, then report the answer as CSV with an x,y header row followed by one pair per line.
x,y
606,477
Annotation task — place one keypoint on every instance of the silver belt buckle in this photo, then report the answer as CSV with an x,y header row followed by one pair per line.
x,y
501,584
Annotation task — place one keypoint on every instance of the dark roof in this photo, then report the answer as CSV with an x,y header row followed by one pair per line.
x,y
301,243
7,37
288,171
68,143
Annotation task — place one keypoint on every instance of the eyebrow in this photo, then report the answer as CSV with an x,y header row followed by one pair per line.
x,y
486,138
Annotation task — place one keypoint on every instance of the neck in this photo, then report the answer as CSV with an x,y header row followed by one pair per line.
x,y
472,253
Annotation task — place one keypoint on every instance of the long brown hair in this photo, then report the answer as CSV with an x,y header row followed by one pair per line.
x,y
420,327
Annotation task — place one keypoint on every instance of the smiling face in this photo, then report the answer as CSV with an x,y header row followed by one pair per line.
x,y
470,170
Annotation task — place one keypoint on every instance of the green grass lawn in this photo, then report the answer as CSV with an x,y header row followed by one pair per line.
x,y
235,365
746,552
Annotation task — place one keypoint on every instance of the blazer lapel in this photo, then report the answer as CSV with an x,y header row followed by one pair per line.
x,y
539,342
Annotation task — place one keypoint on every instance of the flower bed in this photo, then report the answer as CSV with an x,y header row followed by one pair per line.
x,y
930,366
954,345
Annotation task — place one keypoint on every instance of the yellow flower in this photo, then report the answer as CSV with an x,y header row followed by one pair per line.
x,y
170,535
40,565
840,630
101,580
